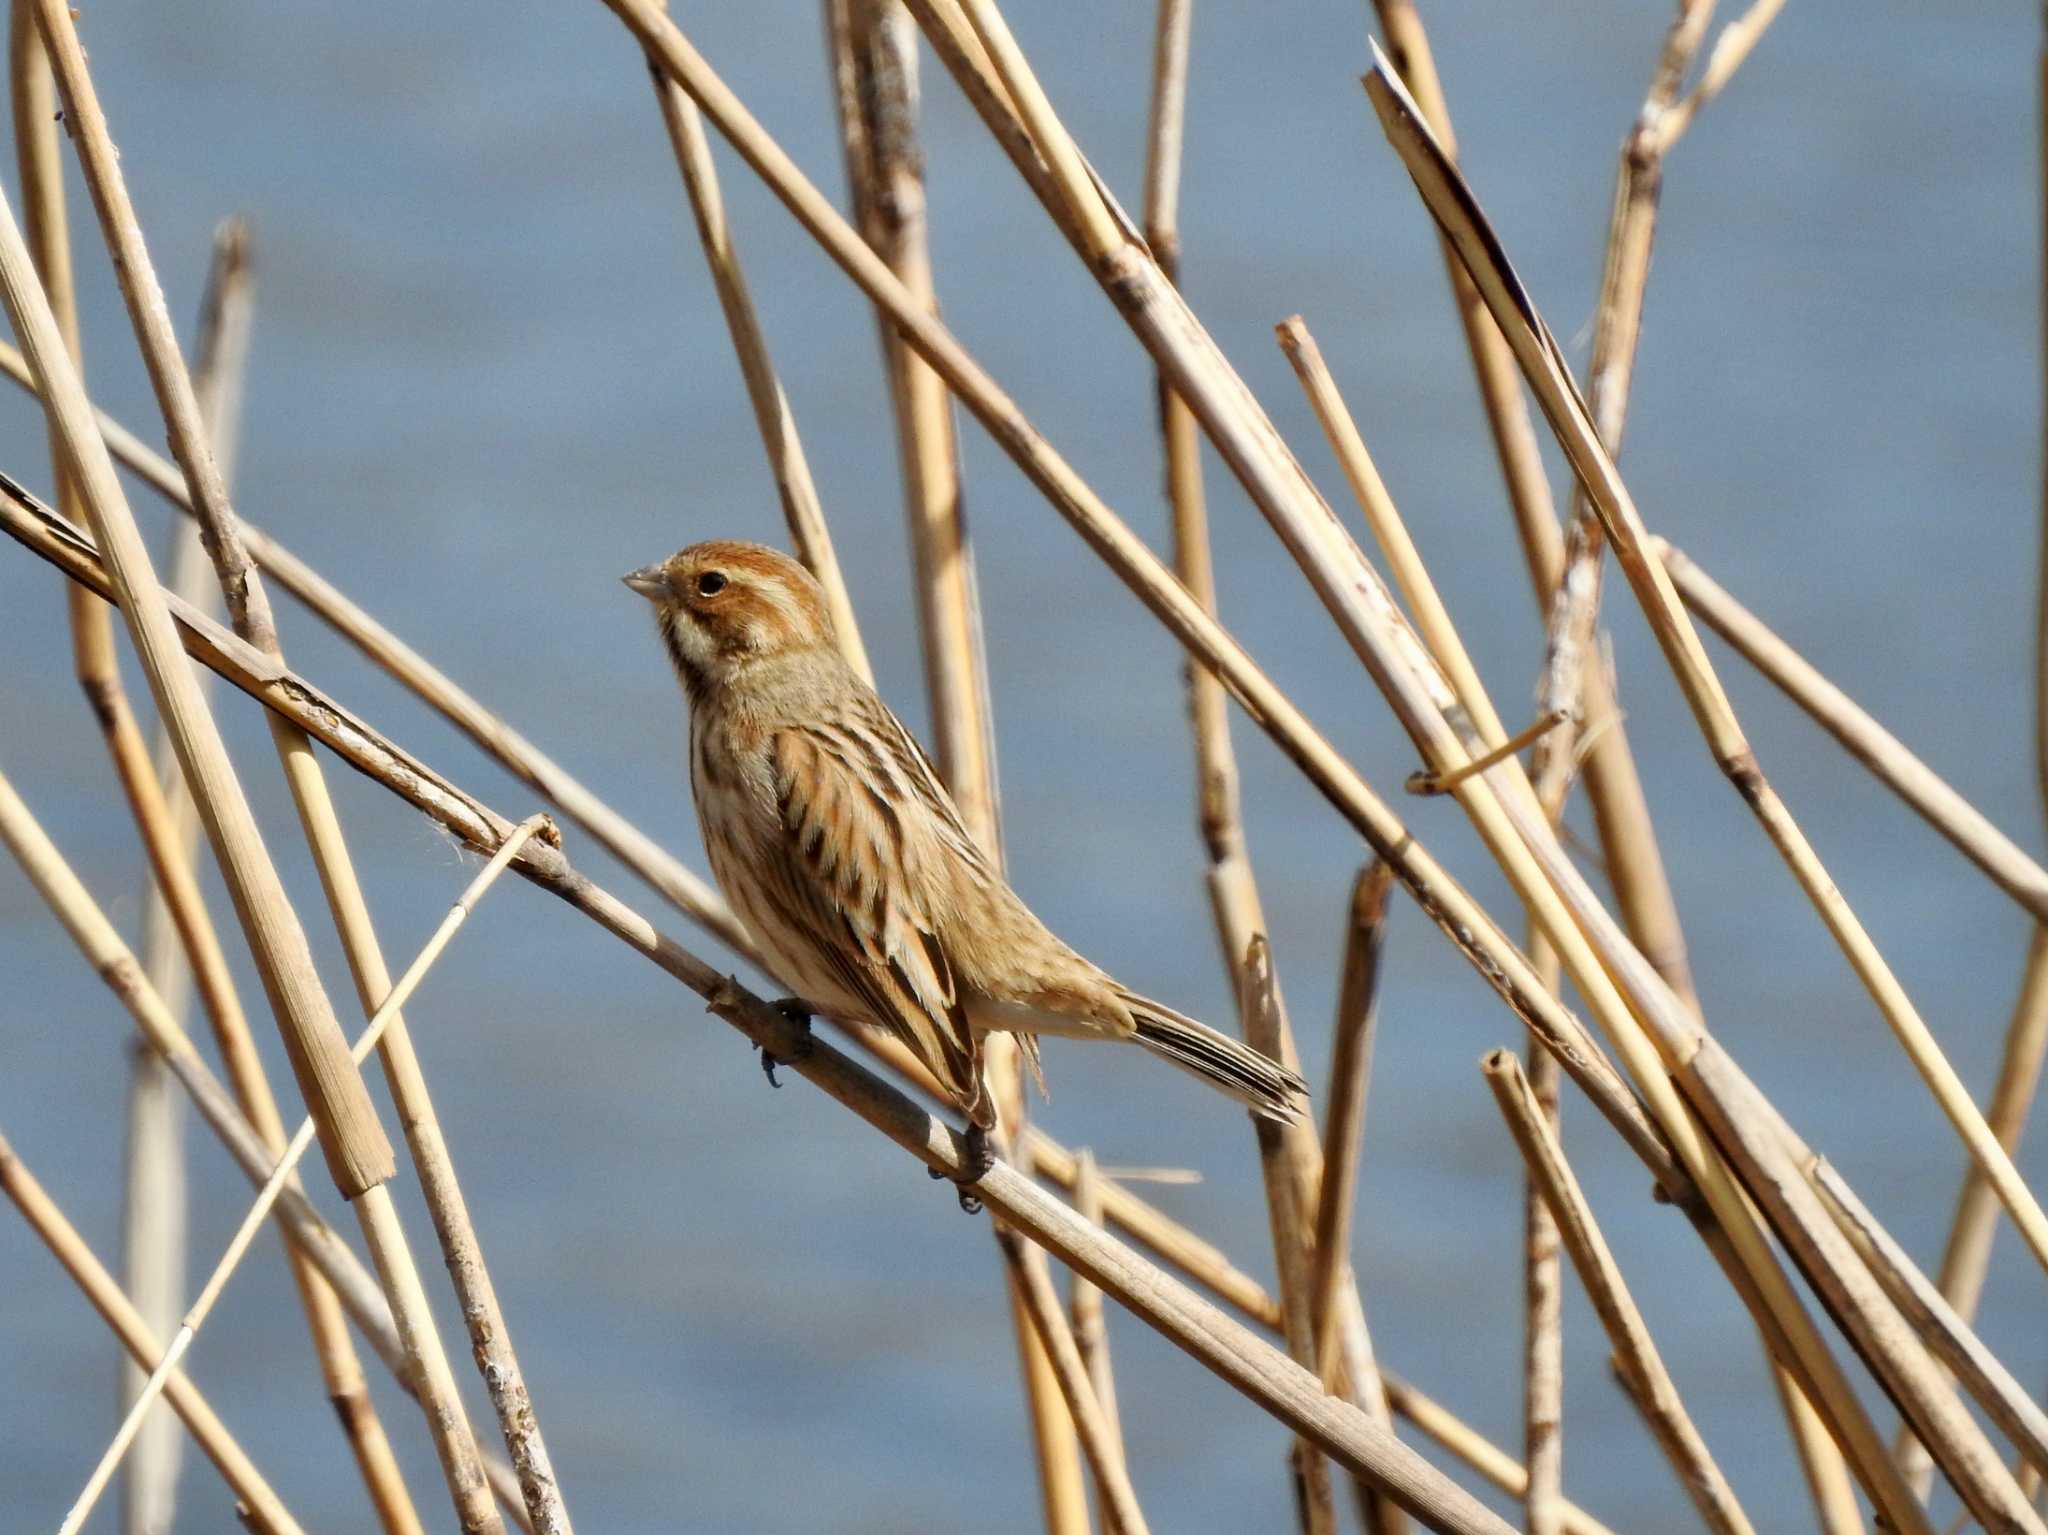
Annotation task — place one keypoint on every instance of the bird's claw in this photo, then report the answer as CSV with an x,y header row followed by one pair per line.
x,y
793,1009
981,1156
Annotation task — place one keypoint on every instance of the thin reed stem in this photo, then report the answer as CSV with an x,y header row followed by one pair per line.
x,y
1096,1433
809,536
265,1511
1091,1331
1635,1354
1894,765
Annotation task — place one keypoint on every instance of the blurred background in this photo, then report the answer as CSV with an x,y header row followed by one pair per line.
x,y
489,375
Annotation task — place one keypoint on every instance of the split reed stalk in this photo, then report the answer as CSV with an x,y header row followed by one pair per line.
x,y
1213,1338
1635,1354
873,54
310,1236
809,536
1453,204
263,1509
358,1156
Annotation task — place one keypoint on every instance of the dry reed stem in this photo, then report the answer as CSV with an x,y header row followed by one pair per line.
x,y
1223,1345
1345,1356
1635,865
874,59
1448,197
386,1246
1945,1333
310,1235
1635,1353
809,536
333,1088
1091,1334
258,1503
1729,50
1095,1432
1972,834
1292,1231
1465,1443
1761,1146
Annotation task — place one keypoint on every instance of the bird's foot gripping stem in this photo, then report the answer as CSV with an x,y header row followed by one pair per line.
x,y
796,1012
981,1156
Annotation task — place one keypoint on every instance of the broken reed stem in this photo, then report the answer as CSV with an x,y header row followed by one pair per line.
x,y
1635,1353
1466,1444
1097,1435
808,534
1966,828
309,1234
1947,1335
1291,1232
1213,1338
1091,1334
873,51
280,1175
263,1508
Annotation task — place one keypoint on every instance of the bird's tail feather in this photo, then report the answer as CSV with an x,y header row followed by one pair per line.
x,y
1265,1086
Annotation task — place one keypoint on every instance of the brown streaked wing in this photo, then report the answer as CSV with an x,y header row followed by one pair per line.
x,y
850,861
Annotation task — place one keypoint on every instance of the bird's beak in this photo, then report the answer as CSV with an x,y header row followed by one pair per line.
x,y
650,581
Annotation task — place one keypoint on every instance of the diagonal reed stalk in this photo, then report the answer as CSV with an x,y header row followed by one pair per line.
x,y
280,1176
310,1236
801,511
260,1505
1223,1345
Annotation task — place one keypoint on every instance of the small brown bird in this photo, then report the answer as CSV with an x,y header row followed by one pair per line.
x,y
831,834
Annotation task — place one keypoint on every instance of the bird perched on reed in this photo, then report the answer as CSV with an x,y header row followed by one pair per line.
x,y
830,832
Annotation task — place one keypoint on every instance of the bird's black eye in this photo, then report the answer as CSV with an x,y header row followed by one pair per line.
x,y
711,583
